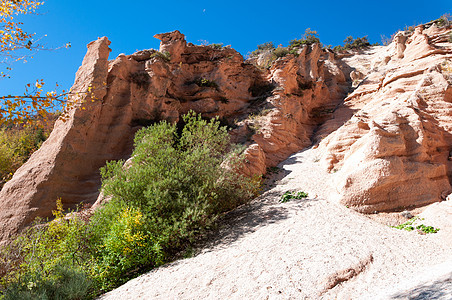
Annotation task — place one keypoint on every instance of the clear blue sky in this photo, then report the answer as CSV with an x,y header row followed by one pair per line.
x,y
130,26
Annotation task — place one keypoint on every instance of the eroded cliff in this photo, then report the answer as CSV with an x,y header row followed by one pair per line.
x,y
389,138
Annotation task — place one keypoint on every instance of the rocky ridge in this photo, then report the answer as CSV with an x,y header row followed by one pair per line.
x,y
389,138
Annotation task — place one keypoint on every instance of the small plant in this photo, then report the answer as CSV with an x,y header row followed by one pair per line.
x,y
289,195
353,44
255,119
203,82
309,37
165,55
218,46
268,46
443,21
281,52
410,226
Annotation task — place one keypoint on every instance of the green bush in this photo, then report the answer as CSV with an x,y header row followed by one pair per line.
x,y
66,284
204,82
16,146
350,43
177,185
267,46
281,52
218,46
443,21
309,37
46,261
165,55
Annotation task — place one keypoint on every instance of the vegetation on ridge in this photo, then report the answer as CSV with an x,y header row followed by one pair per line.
x,y
310,37
176,186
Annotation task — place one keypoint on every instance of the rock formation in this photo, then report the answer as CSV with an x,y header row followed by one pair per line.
x,y
389,138
394,151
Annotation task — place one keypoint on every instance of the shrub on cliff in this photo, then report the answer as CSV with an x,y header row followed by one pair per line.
x,y
176,186
309,37
267,46
350,44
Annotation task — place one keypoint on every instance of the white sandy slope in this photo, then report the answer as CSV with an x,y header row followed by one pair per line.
x,y
307,249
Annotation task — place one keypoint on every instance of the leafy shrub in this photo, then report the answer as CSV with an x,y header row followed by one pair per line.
x,y
218,46
66,283
309,37
203,82
350,43
267,46
16,146
45,261
443,21
281,52
177,185
165,55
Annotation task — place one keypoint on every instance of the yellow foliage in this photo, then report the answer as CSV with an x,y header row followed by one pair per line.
x,y
14,44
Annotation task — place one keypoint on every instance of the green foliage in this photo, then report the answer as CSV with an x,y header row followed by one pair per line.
x,y
45,261
204,82
289,195
350,43
65,284
410,226
178,183
218,46
165,55
268,46
176,186
443,21
309,37
16,146
281,52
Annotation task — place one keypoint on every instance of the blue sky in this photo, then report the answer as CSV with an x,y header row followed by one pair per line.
x,y
130,26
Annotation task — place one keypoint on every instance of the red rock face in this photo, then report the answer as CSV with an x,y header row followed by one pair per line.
x,y
389,138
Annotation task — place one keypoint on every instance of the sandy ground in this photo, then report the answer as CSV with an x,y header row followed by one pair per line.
x,y
308,249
